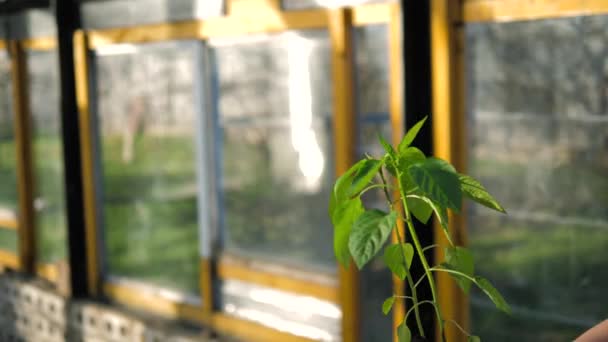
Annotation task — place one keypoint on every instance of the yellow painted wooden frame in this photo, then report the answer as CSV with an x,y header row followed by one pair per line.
x,y
267,20
39,43
81,62
512,10
259,20
340,25
325,289
449,132
25,229
397,110
9,260
8,224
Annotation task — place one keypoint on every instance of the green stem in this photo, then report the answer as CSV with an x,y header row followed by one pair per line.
x,y
459,327
407,272
424,302
414,236
447,270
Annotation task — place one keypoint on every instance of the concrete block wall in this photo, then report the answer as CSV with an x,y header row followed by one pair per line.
x,y
31,310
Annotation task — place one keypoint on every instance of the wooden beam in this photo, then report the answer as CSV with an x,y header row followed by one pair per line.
x,y
41,43
396,108
251,331
340,27
514,10
25,179
8,223
141,299
233,270
85,119
449,141
9,260
371,14
265,22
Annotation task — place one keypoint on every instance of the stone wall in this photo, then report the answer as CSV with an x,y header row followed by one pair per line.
x,y
30,310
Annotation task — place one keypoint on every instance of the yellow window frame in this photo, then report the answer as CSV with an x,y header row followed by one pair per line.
x,y
243,19
448,93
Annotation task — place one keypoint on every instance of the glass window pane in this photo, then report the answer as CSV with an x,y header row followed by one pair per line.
x,y
49,198
288,312
8,240
147,122
275,119
371,60
303,4
538,124
8,158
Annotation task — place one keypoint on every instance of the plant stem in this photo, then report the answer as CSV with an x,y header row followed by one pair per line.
x,y
408,275
414,236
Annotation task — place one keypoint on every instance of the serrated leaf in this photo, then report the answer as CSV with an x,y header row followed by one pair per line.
x,y
343,219
474,190
388,305
368,235
461,259
493,294
473,339
393,258
438,180
364,175
411,135
341,187
403,333
419,208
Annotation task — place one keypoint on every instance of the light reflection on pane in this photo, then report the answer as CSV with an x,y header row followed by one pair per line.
x,y
49,199
371,61
303,4
300,315
147,125
275,107
538,122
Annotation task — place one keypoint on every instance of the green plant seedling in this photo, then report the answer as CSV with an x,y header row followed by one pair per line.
x,y
425,186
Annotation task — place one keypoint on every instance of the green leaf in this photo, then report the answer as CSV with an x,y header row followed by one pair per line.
x,y
340,191
475,191
387,146
364,175
461,259
493,293
343,219
408,157
403,333
438,180
440,212
419,208
411,135
473,339
393,258
369,233
388,305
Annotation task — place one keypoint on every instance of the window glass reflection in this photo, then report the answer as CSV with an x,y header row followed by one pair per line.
x,y
538,124
8,158
147,122
288,312
276,158
303,4
371,62
47,154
